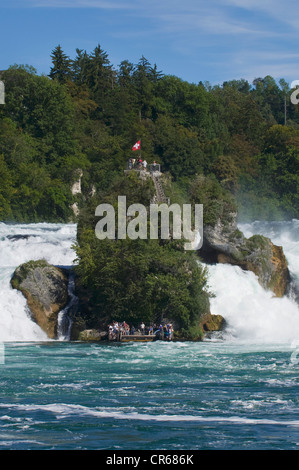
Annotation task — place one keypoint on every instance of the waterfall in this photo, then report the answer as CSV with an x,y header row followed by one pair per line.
x,y
20,243
252,313
65,316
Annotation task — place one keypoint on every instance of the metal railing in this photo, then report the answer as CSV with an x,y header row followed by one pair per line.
x,y
155,167
142,165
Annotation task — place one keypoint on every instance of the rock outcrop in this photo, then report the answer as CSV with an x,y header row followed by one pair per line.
x,y
210,323
92,335
46,290
226,244
76,186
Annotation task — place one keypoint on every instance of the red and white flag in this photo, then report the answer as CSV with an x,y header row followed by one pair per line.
x,y
136,146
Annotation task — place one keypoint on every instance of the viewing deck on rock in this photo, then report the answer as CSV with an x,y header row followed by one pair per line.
x,y
122,332
153,171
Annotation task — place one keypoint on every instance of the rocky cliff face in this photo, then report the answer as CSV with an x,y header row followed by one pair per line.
x,y
46,290
226,244
210,323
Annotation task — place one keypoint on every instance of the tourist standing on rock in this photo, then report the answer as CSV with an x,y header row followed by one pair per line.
x,y
165,332
110,332
170,332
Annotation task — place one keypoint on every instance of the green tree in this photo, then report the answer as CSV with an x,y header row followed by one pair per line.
x,y
226,172
6,190
136,280
61,69
80,66
217,201
179,149
141,281
143,83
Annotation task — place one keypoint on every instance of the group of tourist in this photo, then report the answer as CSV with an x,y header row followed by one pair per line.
x,y
163,331
139,164
117,328
166,331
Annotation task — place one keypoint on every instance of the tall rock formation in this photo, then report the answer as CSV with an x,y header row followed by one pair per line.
x,y
46,290
224,243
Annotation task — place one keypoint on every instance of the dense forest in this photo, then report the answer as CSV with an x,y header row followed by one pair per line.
x,y
243,138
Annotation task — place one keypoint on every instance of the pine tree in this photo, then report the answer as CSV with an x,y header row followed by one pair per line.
x,y
80,66
124,75
143,84
99,75
61,69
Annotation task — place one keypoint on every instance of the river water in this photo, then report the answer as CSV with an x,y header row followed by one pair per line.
x,y
239,390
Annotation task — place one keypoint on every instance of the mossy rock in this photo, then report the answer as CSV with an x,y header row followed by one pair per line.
x,y
210,322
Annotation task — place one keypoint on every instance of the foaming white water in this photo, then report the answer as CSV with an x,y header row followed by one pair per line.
x,y
18,244
64,411
252,313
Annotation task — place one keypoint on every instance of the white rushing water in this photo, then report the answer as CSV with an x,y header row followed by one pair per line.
x,y
252,313
18,244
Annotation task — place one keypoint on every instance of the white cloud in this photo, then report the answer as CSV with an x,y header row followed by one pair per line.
x,y
215,16
286,12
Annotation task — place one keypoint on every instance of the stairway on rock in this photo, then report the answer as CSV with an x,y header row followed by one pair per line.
x,y
160,195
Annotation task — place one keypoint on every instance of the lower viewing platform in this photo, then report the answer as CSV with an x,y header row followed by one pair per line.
x,y
121,332
138,338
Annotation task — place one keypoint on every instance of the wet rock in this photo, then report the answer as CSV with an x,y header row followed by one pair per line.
x,y
226,244
92,335
210,322
46,290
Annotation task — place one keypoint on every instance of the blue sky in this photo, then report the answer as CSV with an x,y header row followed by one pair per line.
x,y
195,40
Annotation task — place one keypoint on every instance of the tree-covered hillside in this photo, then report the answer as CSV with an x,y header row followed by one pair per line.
x,y
150,280
87,113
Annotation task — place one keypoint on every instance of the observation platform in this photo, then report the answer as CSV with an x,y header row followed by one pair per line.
x,y
137,338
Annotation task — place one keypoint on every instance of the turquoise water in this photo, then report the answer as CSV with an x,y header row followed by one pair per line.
x,y
173,396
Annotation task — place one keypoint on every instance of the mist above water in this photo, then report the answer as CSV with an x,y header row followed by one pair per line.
x,y
252,313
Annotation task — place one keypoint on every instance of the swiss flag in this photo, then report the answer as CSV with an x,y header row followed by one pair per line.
x,y
136,146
